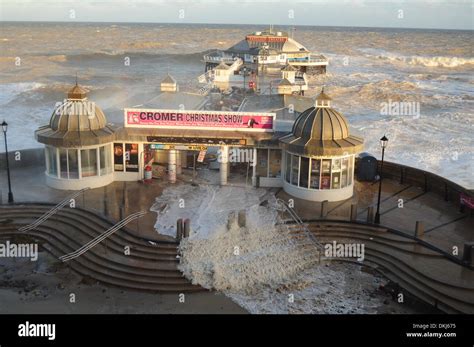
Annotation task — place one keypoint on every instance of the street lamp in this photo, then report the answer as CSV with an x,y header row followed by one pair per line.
x,y
10,194
383,144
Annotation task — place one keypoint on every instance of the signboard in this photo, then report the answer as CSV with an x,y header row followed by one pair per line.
x,y
178,147
194,141
193,119
265,38
201,156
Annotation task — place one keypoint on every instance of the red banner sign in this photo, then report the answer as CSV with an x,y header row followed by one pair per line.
x,y
176,119
261,38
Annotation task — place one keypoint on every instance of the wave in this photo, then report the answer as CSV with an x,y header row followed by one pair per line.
x,y
10,91
427,61
30,95
449,62
375,91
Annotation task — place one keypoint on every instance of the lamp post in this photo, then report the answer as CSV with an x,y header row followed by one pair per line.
x,y
244,70
10,194
383,144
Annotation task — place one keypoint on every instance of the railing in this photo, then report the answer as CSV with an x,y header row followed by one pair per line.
x,y
430,182
310,59
299,222
218,58
94,242
206,77
53,211
242,104
205,89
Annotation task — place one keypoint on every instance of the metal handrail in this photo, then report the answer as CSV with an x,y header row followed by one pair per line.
x,y
52,211
94,242
299,222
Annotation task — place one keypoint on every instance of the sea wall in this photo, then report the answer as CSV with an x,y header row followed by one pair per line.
x,y
430,182
23,158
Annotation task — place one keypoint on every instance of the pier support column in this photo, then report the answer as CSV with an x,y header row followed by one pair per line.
x,y
179,165
254,167
186,227
172,166
224,165
179,229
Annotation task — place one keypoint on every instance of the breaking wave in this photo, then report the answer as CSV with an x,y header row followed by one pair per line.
x,y
448,62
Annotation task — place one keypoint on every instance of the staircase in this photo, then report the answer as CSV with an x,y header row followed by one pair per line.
x,y
148,267
425,273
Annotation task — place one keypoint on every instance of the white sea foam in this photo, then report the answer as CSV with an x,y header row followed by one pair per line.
x,y
259,265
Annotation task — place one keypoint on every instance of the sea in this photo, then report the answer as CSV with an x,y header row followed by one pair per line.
x,y
369,68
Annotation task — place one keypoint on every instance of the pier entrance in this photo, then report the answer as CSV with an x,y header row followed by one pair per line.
x,y
169,140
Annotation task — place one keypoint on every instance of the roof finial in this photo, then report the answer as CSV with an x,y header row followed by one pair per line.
x,y
76,78
323,100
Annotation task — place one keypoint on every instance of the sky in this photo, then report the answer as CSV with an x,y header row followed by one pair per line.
x,y
437,14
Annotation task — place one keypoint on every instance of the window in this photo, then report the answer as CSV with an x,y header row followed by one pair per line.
x,y
345,164
89,162
275,163
63,167
105,158
73,164
295,163
52,163
350,169
315,173
68,168
304,170
326,174
336,174
288,166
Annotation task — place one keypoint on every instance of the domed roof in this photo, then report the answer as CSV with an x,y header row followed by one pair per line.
x,y
77,113
76,122
320,131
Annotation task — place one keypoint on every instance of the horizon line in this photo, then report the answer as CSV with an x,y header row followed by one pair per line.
x,y
230,24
